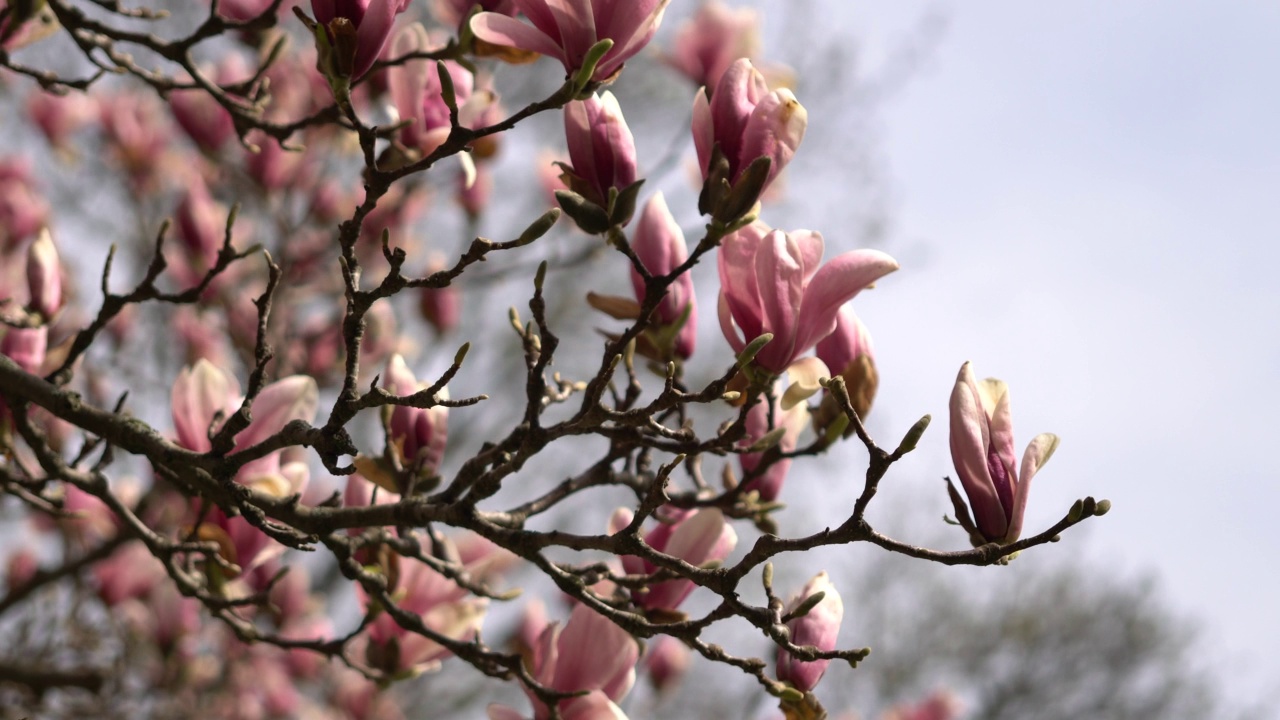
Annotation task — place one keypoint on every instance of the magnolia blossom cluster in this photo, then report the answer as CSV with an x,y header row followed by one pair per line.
x,y
300,321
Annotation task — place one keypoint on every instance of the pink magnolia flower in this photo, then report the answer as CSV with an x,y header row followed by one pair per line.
x,y
202,391
818,628
207,123
771,282
136,131
567,29
602,150
667,660
768,482
25,346
360,493
420,433
89,521
712,39
130,573
272,166
440,307
442,605
59,116
694,536
199,394
743,121
589,653
659,243
22,211
358,698
371,22
983,452
201,223
847,352
419,95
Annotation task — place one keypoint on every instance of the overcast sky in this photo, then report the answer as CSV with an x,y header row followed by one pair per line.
x,y
1084,199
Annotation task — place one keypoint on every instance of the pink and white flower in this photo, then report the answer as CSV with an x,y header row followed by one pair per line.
x,y
983,452
775,282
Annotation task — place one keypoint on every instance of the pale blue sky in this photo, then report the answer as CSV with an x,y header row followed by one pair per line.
x,y
1084,201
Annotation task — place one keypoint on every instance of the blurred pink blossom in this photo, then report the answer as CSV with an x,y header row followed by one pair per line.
x,y
712,39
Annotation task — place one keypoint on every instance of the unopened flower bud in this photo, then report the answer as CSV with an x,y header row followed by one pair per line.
x,y
983,454
667,661
44,276
738,124
602,153
441,307
818,628
659,243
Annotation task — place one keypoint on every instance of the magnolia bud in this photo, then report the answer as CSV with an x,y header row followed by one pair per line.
x,y
44,276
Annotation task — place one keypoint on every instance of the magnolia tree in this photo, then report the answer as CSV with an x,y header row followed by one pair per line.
x,y
297,531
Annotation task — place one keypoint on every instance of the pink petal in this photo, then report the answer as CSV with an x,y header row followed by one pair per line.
x,y
727,325
372,33
293,398
198,394
630,34
408,81
781,280
811,247
995,403
833,285
575,24
501,30
1038,453
594,654
704,137
738,284
735,97
969,443
774,130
